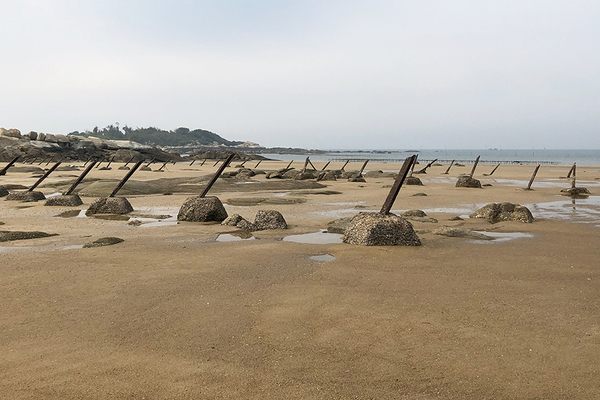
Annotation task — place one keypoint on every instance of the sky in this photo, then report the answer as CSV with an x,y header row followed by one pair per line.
x,y
322,74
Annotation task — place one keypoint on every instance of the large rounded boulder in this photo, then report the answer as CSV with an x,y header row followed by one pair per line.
x,y
496,212
269,219
110,205
376,229
202,209
68,200
468,182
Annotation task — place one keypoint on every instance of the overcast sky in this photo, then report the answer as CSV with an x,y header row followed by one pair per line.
x,y
316,74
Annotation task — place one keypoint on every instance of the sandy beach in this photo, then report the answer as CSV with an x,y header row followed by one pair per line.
x,y
191,311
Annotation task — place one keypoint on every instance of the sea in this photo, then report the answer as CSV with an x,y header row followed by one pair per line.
x,y
487,156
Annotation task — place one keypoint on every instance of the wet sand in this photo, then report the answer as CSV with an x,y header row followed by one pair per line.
x,y
173,313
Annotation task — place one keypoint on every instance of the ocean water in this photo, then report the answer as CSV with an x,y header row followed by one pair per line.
x,y
488,156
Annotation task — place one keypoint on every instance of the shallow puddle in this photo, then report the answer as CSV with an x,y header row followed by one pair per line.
x,y
502,236
576,210
321,237
322,257
235,237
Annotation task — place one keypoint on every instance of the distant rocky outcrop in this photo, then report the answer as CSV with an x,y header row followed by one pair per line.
x,y
73,147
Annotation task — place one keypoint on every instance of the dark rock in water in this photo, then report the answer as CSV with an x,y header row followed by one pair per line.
x,y
7,236
496,212
3,191
25,196
269,219
459,232
413,180
110,205
357,179
326,176
105,241
576,191
468,182
414,213
70,200
202,209
375,229
339,225
420,194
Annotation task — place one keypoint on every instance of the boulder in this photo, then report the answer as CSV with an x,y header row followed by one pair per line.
x,y
50,138
202,209
468,182
41,137
11,133
105,241
496,212
69,200
232,220
110,205
414,213
246,225
576,191
460,232
326,176
25,196
339,225
359,178
375,229
269,219
291,174
3,191
413,180
32,135
305,175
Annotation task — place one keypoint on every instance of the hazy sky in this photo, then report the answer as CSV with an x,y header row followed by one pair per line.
x,y
317,74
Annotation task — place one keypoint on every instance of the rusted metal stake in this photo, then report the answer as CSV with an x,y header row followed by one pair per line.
x,y
571,171
215,164
289,165
130,160
203,161
474,166
311,164
78,181
193,161
412,168
533,177
424,170
363,168
325,166
389,201
448,170
34,160
494,170
244,162
151,161
111,160
258,163
44,176
344,166
217,174
10,164
305,165
164,165
574,176
126,178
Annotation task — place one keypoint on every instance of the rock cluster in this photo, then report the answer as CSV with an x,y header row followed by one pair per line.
x,y
110,205
496,212
375,229
265,219
25,196
468,182
202,209
576,191
69,200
